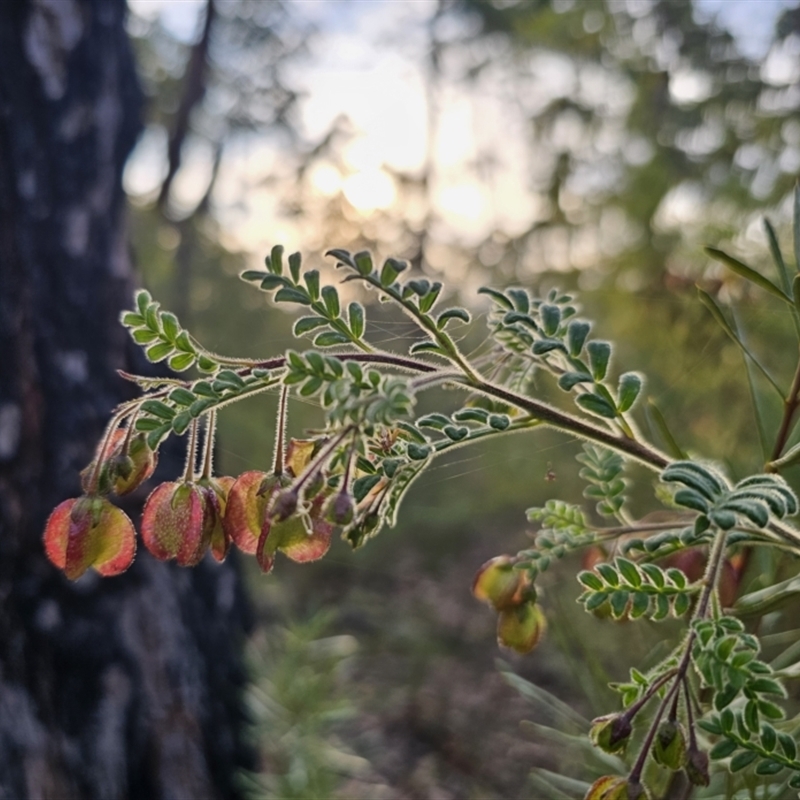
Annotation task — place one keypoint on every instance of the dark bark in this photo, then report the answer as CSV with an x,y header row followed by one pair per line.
x,y
109,688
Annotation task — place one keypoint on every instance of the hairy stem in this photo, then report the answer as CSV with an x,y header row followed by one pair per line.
x,y
208,445
191,451
279,457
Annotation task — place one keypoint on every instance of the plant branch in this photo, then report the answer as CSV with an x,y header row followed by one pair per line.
x,y
790,406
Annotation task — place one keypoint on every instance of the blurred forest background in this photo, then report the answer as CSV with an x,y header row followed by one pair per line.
x,y
594,146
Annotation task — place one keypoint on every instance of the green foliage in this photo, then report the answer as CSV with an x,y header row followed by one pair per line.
x,y
354,472
633,591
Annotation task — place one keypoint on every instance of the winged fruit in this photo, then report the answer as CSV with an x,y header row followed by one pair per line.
x,y
89,532
500,585
177,522
521,628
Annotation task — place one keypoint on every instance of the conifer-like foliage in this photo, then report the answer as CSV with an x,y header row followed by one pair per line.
x,y
712,699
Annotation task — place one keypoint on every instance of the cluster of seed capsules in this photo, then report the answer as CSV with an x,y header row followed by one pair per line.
x,y
292,510
509,591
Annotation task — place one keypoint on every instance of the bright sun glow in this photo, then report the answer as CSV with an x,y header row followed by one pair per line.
x,y
369,190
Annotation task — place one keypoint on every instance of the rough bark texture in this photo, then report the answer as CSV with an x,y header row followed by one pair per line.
x,y
116,688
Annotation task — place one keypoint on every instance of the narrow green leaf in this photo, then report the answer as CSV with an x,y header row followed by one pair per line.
x,y
608,573
230,378
252,275
716,312
551,318
768,768
680,605
723,749
182,361
181,422
660,424
497,296
355,315
290,295
777,257
275,264
131,320
145,336
424,347
655,574
311,386
417,452
630,385
156,435
362,261
306,324
596,600
295,262
392,267
363,485
182,397
143,301
329,339
769,738
158,352
570,380
639,605
170,325
577,331
599,356
748,273
662,607
629,572
788,745
426,302
270,282
743,759
343,256
149,423
184,343
206,364
590,580
796,225
330,297
199,406
471,415
595,404
452,313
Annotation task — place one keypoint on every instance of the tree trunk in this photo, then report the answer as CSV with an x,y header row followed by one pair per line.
x,y
109,688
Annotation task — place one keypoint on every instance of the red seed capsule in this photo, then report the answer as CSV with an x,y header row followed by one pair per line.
x,y
176,523
89,532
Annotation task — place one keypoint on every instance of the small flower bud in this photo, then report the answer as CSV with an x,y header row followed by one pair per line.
x,y
121,466
132,469
611,733
669,747
696,766
340,509
500,585
284,505
121,471
521,627
636,791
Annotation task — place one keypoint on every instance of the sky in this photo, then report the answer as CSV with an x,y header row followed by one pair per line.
x,y
383,92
